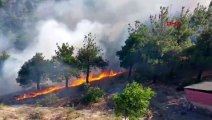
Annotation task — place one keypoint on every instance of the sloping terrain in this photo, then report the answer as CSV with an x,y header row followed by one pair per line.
x,y
167,105
48,113
172,105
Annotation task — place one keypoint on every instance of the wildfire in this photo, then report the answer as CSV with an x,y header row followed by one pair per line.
x,y
80,81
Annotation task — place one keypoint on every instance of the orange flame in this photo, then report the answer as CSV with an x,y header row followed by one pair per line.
x,y
80,81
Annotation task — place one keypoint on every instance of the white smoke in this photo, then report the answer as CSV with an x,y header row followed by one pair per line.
x,y
69,20
52,32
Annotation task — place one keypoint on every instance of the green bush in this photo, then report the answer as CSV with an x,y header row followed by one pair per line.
x,y
93,94
134,101
48,100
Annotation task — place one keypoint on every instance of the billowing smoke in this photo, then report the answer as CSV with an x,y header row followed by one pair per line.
x,y
30,26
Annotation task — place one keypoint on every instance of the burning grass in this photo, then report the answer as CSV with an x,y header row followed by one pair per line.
x,y
78,82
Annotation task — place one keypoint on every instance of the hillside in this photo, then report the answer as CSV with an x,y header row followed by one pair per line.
x,y
168,104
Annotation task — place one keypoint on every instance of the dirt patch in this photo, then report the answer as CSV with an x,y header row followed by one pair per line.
x,y
172,105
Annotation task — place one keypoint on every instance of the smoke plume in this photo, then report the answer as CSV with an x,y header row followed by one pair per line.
x,y
30,26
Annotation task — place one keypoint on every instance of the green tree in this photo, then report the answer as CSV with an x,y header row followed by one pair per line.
x,y
134,101
200,53
32,71
64,62
160,44
90,55
200,17
3,56
167,42
180,39
2,2
210,13
130,53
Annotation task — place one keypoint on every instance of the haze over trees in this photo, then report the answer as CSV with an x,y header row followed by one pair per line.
x,y
32,71
129,54
200,54
152,51
2,2
160,49
64,62
3,56
90,56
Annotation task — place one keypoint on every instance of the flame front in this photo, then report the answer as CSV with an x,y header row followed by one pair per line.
x,y
75,83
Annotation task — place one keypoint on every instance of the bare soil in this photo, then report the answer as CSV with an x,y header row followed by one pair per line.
x,y
172,105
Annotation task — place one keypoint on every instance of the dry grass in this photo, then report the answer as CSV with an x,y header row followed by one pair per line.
x,y
50,113
35,115
2,106
90,115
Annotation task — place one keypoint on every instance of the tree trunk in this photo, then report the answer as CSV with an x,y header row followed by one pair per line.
x,y
130,73
66,78
171,73
38,84
199,76
125,115
87,74
154,78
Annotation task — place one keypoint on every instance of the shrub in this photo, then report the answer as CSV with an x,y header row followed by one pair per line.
x,y
134,101
48,100
93,94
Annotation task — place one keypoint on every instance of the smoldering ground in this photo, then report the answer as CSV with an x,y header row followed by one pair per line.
x,y
34,26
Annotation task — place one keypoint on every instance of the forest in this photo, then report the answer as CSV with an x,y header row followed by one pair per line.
x,y
154,53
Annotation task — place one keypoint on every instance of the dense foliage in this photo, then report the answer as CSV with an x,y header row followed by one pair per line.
x,y
134,101
32,71
153,50
161,50
130,53
64,63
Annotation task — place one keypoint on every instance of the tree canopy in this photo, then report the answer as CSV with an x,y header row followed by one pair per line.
x,y
32,71
130,53
90,55
64,62
4,56
153,47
